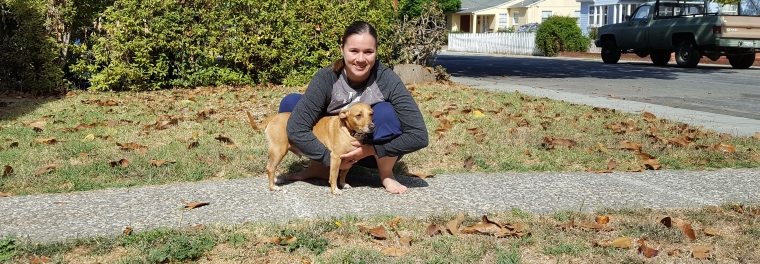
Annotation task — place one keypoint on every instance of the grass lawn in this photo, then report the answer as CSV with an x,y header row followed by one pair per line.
x,y
86,141
725,234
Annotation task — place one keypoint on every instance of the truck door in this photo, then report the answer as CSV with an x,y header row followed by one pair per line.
x,y
635,32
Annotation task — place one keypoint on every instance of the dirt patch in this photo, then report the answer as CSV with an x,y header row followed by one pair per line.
x,y
633,57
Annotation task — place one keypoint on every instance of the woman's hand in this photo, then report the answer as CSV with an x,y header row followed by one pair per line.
x,y
361,151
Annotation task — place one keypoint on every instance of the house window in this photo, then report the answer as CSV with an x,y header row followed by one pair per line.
x,y
515,18
545,15
503,20
591,15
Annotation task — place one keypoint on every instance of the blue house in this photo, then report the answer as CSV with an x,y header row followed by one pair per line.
x,y
597,13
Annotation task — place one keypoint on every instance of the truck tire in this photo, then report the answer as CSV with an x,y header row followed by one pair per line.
x,y
741,61
610,52
687,54
660,58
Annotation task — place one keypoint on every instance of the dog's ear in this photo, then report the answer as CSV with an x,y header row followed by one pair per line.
x,y
343,113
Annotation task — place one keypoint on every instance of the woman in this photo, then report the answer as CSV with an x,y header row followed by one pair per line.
x,y
358,76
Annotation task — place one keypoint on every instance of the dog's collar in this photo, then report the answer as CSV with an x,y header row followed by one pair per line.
x,y
358,136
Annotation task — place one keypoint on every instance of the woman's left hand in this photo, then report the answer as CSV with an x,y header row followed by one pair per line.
x,y
361,151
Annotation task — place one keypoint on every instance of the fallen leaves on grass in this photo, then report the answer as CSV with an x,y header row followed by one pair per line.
x,y
282,241
159,163
648,161
5,194
132,147
393,252
710,231
193,205
121,163
681,224
46,141
433,230
649,117
620,242
225,140
724,148
127,231
377,232
7,170
602,219
550,142
646,250
627,145
701,252
45,169
469,162
109,102
38,260
452,226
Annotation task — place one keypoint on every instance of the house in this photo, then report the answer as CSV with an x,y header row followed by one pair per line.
x,y
597,13
478,16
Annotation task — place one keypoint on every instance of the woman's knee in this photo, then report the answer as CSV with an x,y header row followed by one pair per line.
x,y
387,124
289,102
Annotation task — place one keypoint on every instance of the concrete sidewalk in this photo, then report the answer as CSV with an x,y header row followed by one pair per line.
x,y
55,217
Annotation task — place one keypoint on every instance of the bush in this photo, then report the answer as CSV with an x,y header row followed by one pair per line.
x,y
418,40
29,58
166,43
559,33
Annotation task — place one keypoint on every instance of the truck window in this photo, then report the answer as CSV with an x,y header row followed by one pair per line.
x,y
641,13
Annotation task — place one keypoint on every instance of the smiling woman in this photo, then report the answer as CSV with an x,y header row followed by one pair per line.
x,y
357,77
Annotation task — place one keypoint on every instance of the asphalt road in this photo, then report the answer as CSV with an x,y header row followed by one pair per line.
x,y
717,89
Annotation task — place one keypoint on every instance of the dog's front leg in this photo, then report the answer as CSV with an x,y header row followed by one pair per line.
x,y
334,171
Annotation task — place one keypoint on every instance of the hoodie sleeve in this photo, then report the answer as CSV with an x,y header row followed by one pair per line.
x,y
414,134
305,115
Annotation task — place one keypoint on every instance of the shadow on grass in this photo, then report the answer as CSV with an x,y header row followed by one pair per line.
x,y
15,104
358,176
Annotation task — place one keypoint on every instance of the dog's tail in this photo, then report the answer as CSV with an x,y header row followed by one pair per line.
x,y
252,121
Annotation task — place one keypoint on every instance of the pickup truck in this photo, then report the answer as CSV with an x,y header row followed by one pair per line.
x,y
659,28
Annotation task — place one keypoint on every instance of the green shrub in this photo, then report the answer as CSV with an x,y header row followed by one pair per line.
x,y
166,43
182,248
29,58
559,33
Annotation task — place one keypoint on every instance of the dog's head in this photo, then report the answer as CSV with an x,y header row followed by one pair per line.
x,y
358,118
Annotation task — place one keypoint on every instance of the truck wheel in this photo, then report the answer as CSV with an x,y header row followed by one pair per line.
x,y
741,61
687,54
660,58
610,52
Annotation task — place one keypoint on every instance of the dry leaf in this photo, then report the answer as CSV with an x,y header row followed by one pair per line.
x,y
593,226
421,175
193,205
159,163
393,252
5,194
132,146
485,226
405,241
674,252
647,251
602,219
379,233
622,242
433,230
627,145
7,170
649,117
288,240
667,221
47,141
725,148
224,140
688,231
700,252
453,225
38,260
469,162
122,163
192,145
550,142
127,231
756,135
651,164
710,231
393,223
612,164
45,169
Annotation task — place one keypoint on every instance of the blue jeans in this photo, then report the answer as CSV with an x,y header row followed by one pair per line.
x,y
387,124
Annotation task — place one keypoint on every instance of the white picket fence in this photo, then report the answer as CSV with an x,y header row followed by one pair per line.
x,y
499,43
503,43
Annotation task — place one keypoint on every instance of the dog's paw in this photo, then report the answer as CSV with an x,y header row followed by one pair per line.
x,y
274,188
337,192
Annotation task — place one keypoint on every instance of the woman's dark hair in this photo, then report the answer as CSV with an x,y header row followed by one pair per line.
x,y
357,27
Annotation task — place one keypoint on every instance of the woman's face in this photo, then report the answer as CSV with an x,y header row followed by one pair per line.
x,y
359,53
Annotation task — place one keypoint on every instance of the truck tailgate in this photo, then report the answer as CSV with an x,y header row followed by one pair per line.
x,y
743,27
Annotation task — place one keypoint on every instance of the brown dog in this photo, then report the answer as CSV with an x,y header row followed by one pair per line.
x,y
335,132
